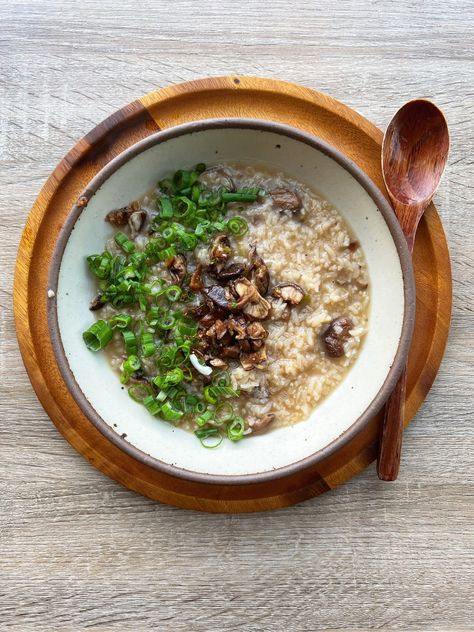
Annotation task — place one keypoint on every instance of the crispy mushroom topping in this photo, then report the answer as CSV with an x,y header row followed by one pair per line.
x,y
96,303
218,363
177,267
238,327
232,351
229,273
218,296
253,360
335,335
258,271
286,199
119,216
250,300
220,250
291,293
256,331
135,222
262,423
195,282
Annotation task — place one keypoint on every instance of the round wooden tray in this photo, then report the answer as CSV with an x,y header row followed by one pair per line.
x,y
302,108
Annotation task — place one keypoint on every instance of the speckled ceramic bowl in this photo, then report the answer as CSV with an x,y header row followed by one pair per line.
x,y
344,412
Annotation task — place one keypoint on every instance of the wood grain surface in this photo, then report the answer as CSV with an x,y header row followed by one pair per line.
x,y
77,551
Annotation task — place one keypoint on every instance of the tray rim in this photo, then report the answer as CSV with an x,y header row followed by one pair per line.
x,y
154,104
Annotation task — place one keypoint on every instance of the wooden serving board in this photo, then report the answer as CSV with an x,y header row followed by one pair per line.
x,y
250,97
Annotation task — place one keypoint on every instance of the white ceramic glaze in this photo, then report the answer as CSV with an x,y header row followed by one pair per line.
x,y
338,412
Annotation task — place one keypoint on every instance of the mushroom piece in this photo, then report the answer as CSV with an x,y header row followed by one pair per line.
x,y
96,303
177,267
229,273
135,222
218,363
250,301
220,250
195,282
232,351
335,335
291,293
119,216
262,423
218,296
286,199
256,331
253,360
238,327
258,270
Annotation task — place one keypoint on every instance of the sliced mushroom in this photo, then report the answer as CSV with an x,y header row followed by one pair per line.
x,y
119,216
286,199
253,360
291,293
335,335
220,250
250,300
229,273
136,221
218,363
218,296
232,351
256,331
258,271
196,283
96,303
177,267
238,327
262,423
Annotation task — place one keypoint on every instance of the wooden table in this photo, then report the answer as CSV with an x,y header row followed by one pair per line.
x,y
76,550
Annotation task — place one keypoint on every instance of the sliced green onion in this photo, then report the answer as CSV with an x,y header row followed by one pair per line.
x,y
131,365
235,429
120,321
151,405
223,413
237,226
124,242
173,293
167,253
224,391
130,342
221,379
167,357
166,208
170,412
98,335
166,322
148,344
138,392
203,419
209,395
209,437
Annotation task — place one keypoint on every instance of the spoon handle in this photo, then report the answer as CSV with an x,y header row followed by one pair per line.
x,y
390,448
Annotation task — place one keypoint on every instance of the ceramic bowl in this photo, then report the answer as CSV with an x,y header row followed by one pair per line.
x,y
337,418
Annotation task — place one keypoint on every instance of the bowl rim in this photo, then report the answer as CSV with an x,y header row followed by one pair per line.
x,y
394,371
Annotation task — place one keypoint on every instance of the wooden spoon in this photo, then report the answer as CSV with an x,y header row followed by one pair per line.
x,y
414,153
